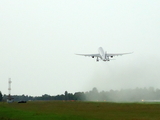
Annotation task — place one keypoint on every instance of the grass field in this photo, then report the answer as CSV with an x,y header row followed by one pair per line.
x,y
74,110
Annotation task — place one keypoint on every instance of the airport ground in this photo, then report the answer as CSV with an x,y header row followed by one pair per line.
x,y
77,110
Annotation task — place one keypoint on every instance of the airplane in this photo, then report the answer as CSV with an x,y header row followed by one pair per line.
x,y
103,55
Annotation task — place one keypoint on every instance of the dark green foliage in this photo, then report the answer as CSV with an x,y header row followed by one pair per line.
x,y
66,95
1,96
79,96
127,95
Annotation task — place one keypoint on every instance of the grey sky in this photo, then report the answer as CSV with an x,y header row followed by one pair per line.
x,y
38,40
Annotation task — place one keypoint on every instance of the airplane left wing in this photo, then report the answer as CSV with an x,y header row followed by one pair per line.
x,y
90,55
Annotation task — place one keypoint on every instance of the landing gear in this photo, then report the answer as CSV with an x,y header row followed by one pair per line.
x,y
97,59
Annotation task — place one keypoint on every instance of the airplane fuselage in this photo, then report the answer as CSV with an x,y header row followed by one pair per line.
x,y
102,54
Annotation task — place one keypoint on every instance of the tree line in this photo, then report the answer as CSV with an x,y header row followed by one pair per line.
x,y
137,94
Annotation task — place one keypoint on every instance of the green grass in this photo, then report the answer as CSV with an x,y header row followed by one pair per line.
x,y
61,110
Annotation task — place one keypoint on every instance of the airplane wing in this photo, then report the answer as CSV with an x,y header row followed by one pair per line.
x,y
114,54
90,55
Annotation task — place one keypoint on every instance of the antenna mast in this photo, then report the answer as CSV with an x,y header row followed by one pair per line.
x,y
10,99
9,88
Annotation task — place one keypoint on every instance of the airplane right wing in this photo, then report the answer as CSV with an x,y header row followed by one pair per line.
x,y
111,55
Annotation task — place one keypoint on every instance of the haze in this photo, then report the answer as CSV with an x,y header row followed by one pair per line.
x,y
39,39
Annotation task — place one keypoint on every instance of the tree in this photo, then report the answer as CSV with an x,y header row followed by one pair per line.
x,y
92,95
1,97
66,95
79,96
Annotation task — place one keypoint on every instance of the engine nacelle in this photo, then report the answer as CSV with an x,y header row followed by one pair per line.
x,y
111,56
92,56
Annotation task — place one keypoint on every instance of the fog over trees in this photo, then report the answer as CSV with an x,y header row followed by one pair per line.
x,y
128,95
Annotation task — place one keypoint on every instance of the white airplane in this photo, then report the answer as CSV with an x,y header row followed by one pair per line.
x,y
103,55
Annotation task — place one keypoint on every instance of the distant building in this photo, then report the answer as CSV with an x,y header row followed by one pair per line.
x,y
10,99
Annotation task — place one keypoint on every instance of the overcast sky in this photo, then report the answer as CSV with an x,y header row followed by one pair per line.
x,y
39,39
